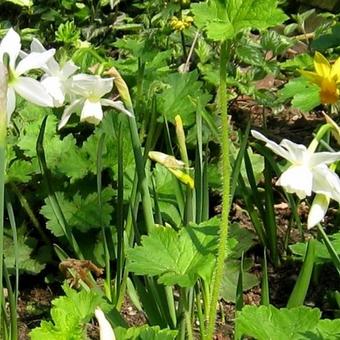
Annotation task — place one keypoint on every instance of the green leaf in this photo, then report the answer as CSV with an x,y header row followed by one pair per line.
x,y
81,212
327,41
223,19
321,252
268,322
70,314
328,329
26,247
230,278
180,97
145,333
245,240
305,95
301,61
273,41
177,257
20,171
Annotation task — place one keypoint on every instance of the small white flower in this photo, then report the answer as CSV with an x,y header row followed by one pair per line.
x,y
56,80
26,87
91,89
105,329
309,171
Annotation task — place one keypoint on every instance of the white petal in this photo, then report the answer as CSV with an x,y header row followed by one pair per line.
x,y
297,152
326,181
51,67
11,45
323,157
118,105
34,60
33,91
37,46
92,112
105,329
297,179
87,85
10,102
279,150
73,107
68,69
318,210
54,87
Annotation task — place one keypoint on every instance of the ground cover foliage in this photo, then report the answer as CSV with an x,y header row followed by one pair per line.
x,y
149,163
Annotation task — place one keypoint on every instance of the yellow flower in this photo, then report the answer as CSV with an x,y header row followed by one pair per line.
x,y
327,77
179,25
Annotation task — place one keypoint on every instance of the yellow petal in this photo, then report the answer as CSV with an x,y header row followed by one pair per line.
x,y
322,66
312,76
329,93
335,73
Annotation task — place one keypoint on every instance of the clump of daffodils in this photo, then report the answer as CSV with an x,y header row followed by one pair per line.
x,y
327,77
60,85
181,24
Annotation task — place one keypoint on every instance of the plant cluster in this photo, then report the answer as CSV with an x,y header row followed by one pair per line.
x,y
121,202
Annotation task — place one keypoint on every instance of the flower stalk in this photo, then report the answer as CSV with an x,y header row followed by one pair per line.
x,y
222,105
137,148
3,135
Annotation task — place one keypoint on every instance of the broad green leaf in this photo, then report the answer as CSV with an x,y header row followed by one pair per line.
x,y
301,61
327,41
26,248
223,19
70,314
321,252
230,278
20,171
328,329
177,257
245,240
144,333
269,323
81,212
180,97
305,95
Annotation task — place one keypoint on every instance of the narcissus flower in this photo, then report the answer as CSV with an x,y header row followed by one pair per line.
x,y
308,171
90,90
26,87
327,77
57,78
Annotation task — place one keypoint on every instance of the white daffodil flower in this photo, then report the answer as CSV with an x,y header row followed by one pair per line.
x,y
309,171
91,89
26,87
105,329
56,80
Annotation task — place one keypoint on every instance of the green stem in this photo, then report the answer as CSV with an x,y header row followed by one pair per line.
x,y
142,180
222,105
3,137
332,252
25,205
107,284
